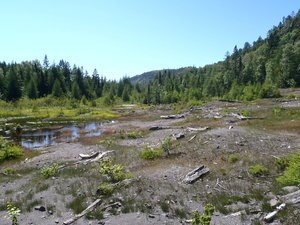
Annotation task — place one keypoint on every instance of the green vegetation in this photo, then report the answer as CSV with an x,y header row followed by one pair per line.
x,y
114,172
291,174
49,171
253,71
205,218
13,213
233,158
105,189
167,145
9,151
151,153
258,170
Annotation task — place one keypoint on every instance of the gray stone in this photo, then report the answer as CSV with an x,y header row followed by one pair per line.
x,y
290,189
274,202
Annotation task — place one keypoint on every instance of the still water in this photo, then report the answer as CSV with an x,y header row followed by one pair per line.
x,y
65,133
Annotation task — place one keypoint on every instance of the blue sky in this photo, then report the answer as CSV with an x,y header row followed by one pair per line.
x,y
119,37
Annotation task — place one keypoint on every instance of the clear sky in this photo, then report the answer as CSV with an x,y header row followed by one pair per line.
x,y
129,37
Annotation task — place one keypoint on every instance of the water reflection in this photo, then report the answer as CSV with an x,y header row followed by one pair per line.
x,y
65,133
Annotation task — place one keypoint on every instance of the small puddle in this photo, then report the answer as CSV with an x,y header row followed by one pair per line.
x,y
72,132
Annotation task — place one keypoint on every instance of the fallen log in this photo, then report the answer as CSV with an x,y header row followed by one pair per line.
x,y
241,117
197,129
83,213
87,156
175,116
291,198
164,127
195,174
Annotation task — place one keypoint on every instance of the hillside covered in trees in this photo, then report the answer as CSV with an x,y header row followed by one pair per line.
x,y
255,71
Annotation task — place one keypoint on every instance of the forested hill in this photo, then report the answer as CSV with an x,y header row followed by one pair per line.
x,y
253,71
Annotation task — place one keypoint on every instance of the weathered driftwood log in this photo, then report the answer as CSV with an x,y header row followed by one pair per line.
x,y
87,156
270,216
197,129
164,127
241,117
291,198
194,175
83,213
175,116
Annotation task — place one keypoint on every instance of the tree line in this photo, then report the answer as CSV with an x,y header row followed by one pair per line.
x,y
256,70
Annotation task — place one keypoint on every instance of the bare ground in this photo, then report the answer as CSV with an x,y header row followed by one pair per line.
x,y
158,196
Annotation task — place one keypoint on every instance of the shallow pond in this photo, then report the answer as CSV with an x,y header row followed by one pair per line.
x,y
68,132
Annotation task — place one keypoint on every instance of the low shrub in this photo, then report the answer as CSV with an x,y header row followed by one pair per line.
x,y
114,172
9,151
291,174
49,171
205,218
151,153
167,145
258,170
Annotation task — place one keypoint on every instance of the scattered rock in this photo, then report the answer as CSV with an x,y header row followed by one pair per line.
x,y
274,202
290,189
151,216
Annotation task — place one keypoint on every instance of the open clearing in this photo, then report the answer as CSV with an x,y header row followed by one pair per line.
x,y
157,194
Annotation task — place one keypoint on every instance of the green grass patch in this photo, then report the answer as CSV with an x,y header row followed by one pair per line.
x,y
151,153
233,158
291,174
258,170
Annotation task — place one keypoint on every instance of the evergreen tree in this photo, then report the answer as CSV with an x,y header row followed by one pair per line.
x,y
14,91
32,91
57,90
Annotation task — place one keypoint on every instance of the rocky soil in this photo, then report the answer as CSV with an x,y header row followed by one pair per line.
x,y
157,194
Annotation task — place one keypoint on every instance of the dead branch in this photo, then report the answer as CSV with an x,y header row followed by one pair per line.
x,y
83,213
192,138
270,216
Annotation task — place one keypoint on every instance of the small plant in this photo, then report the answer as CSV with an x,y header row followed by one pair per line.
x,y
258,170
167,145
114,172
13,213
108,142
233,158
49,171
8,151
291,175
151,153
205,218
105,189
